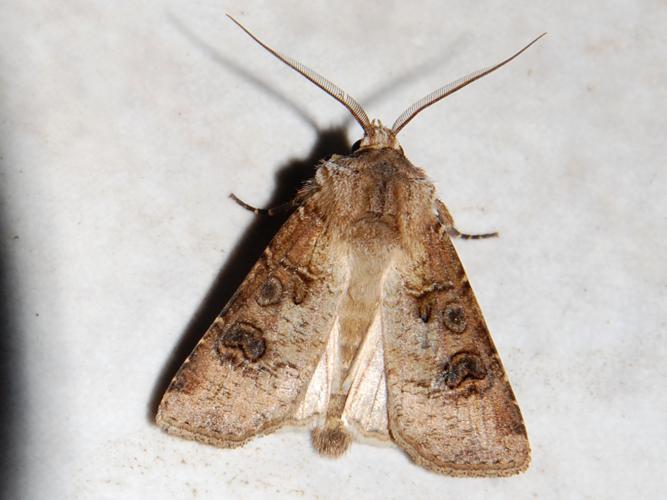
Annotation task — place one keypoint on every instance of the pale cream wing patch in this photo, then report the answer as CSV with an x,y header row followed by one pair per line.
x,y
313,408
365,410
250,372
450,405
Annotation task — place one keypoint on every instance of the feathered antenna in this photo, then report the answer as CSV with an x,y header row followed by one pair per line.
x,y
329,87
448,89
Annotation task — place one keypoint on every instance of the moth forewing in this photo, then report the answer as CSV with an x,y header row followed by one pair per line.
x,y
450,407
358,320
248,374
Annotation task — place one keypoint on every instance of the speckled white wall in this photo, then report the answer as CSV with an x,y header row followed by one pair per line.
x,y
124,125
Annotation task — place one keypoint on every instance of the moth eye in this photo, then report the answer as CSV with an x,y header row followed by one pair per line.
x,y
454,318
460,367
356,145
270,292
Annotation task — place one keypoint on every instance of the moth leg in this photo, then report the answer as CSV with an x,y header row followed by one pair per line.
x,y
263,211
448,224
452,231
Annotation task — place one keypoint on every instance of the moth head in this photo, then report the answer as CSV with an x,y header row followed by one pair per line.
x,y
375,134
378,136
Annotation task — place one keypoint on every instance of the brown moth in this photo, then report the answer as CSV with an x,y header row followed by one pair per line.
x,y
358,320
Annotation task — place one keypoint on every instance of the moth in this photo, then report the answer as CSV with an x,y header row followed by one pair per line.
x,y
358,321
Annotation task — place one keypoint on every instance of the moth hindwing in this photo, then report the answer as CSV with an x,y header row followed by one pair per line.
x,y
358,321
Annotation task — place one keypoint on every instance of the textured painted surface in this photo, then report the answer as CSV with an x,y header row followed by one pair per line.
x,y
124,125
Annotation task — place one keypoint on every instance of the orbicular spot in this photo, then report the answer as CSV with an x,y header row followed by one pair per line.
x,y
245,337
270,292
454,317
462,366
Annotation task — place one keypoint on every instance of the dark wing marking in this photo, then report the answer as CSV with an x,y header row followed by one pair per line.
x,y
250,371
450,405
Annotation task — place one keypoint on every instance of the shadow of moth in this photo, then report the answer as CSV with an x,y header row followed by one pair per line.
x,y
358,321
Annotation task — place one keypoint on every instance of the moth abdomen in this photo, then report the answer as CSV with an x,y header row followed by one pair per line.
x,y
331,440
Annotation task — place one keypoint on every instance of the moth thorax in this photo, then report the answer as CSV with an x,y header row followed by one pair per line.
x,y
379,136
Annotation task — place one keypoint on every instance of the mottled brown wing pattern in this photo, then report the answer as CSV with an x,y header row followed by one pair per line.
x,y
251,369
450,405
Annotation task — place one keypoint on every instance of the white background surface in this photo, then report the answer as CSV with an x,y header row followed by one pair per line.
x,y
124,125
